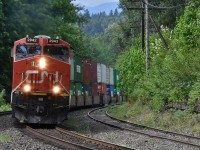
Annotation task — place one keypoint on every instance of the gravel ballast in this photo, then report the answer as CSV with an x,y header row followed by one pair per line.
x,y
123,138
19,140
79,122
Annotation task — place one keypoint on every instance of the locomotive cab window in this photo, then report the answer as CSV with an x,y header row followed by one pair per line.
x,y
58,52
24,51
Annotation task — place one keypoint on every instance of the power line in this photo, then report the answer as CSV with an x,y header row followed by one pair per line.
x,y
158,7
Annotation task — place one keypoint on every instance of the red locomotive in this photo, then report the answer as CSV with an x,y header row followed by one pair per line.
x,y
41,80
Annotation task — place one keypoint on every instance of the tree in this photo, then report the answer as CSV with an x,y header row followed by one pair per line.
x,y
116,13
174,74
87,14
111,13
19,18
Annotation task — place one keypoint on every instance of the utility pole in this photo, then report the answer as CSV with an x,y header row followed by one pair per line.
x,y
142,27
147,39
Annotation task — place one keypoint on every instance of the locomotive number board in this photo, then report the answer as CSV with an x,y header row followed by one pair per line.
x,y
32,40
53,41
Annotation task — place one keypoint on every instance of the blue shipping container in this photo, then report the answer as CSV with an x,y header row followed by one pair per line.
x,y
87,89
110,90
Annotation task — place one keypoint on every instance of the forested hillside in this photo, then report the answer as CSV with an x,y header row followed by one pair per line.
x,y
102,31
28,17
97,23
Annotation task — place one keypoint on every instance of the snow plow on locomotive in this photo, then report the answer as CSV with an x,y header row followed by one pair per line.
x,y
41,80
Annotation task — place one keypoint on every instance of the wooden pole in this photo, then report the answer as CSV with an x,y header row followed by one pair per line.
x,y
147,39
142,27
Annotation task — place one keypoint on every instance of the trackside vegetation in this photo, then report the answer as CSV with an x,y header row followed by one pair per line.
x,y
3,105
174,75
171,119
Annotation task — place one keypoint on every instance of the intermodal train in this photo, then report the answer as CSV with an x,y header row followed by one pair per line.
x,y
47,82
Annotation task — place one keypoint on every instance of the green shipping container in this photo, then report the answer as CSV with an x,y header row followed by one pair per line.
x,y
76,69
116,77
76,89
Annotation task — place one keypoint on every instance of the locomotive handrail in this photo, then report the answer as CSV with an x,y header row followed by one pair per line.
x,y
66,91
18,86
63,85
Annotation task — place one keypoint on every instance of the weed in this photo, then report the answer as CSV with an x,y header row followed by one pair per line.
x,y
5,107
4,138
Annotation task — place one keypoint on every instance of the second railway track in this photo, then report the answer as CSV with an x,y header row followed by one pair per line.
x,y
104,118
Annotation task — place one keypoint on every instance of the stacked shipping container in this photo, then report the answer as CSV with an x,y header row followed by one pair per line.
x,y
76,76
90,78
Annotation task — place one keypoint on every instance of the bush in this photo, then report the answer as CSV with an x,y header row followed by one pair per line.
x,y
173,75
2,95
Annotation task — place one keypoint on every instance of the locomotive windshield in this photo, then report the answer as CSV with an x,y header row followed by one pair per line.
x,y
58,52
24,51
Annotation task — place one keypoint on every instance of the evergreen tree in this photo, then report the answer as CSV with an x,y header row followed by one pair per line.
x,y
116,13
111,13
87,14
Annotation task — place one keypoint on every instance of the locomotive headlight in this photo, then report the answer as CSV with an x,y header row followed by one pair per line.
x,y
56,89
42,63
27,88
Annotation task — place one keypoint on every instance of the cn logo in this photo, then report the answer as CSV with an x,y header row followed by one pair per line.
x,y
44,74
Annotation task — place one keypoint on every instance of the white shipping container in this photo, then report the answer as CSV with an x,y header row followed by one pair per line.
x,y
107,75
103,73
72,69
98,72
111,76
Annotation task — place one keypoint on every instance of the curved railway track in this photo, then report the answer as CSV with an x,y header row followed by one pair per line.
x,y
87,143
107,119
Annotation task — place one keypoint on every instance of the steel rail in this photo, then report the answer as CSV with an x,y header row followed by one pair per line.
x,y
139,132
94,141
154,129
56,140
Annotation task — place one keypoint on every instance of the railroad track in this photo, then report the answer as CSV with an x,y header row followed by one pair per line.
x,y
107,119
87,143
56,140
5,113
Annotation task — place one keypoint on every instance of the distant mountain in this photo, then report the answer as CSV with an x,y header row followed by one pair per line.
x,y
106,7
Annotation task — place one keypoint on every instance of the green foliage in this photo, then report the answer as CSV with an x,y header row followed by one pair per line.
x,y
109,45
98,23
2,95
4,138
174,73
157,104
162,17
19,18
132,71
173,120
106,36
3,105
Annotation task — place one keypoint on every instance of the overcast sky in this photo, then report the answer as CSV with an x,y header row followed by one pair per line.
x,y
93,2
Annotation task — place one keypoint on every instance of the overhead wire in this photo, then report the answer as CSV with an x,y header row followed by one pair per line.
x,y
158,7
